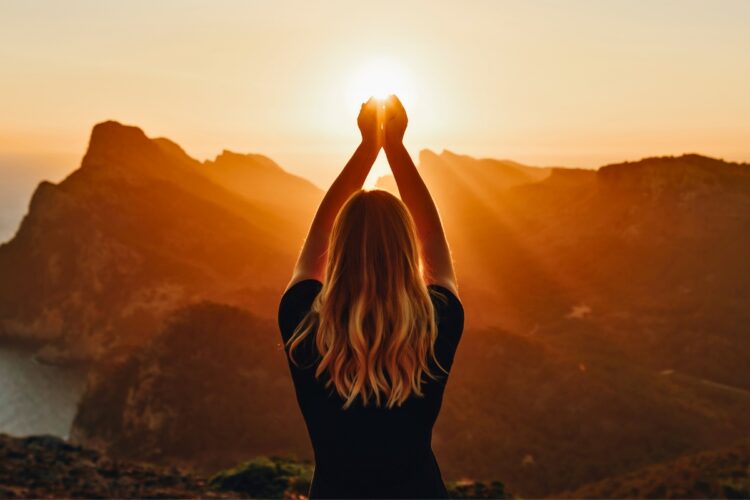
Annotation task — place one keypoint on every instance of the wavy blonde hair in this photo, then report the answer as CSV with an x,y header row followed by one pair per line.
x,y
374,318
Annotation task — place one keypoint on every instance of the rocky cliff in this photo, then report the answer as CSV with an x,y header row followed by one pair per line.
x,y
210,390
138,230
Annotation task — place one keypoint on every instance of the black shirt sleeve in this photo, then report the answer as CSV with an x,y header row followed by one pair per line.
x,y
449,314
295,304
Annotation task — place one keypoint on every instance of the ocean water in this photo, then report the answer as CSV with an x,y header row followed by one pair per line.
x,y
36,398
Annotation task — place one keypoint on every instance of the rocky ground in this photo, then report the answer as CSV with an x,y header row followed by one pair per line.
x,y
721,473
49,467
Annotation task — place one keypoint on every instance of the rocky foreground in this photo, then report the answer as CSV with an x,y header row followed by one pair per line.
x,y
49,467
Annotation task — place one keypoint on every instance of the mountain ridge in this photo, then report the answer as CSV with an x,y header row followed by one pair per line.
x,y
128,232
604,308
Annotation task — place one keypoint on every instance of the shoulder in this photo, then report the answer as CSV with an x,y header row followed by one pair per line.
x,y
445,296
295,303
449,316
449,310
302,286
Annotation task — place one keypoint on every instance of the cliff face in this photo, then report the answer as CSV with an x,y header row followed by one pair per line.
x,y
138,230
211,390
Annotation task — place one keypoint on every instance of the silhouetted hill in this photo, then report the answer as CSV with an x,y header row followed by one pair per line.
x,y
723,473
485,177
259,178
209,391
549,416
637,273
686,176
136,231
654,251
213,389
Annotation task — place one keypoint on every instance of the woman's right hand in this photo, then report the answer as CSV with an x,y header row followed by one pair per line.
x,y
367,121
395,122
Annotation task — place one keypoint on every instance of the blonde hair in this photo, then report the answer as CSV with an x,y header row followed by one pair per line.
x,y
374,317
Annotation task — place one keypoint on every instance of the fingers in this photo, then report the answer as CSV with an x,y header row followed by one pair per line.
x,y
372,104
393,102
394,114
390,101
393,105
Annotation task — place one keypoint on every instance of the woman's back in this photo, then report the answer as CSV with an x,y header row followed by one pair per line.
x,y
370,451
369,343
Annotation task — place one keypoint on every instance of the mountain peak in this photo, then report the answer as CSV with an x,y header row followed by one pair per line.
x,y
105,133
230,159
113,140
427,155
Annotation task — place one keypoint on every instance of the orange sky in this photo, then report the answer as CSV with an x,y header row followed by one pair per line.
x,y
578,83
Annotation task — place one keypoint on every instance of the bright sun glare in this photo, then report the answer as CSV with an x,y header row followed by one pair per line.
x,y
379,78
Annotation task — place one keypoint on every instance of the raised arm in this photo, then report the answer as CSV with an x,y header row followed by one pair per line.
x,y
414,193
312,258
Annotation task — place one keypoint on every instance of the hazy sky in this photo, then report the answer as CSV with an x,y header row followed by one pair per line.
x,y
571,82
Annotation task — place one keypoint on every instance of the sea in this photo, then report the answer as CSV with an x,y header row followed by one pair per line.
x,y
36,398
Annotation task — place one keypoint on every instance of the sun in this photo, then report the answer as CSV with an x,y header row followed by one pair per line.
x,y
379,78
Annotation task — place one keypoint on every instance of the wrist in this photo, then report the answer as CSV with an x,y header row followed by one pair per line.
x,y
369,146
393,145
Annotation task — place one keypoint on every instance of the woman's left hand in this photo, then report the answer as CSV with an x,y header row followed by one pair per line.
x,y
369,124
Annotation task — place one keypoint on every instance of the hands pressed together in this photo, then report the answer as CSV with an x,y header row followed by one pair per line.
x,y
382,122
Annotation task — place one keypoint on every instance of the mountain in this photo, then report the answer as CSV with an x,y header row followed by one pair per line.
x,y
547,417
606,310
648,255
722,473
485,177
138,230
261,180
210,390
467,191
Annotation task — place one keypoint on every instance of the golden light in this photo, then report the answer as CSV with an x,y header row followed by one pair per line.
x,y
379,78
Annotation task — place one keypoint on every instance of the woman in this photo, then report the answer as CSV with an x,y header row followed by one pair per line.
x,y
370,322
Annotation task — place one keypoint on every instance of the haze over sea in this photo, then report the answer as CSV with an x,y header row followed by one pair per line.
x,y
36,398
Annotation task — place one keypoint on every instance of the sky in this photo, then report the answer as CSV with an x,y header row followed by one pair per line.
x,y
567,83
